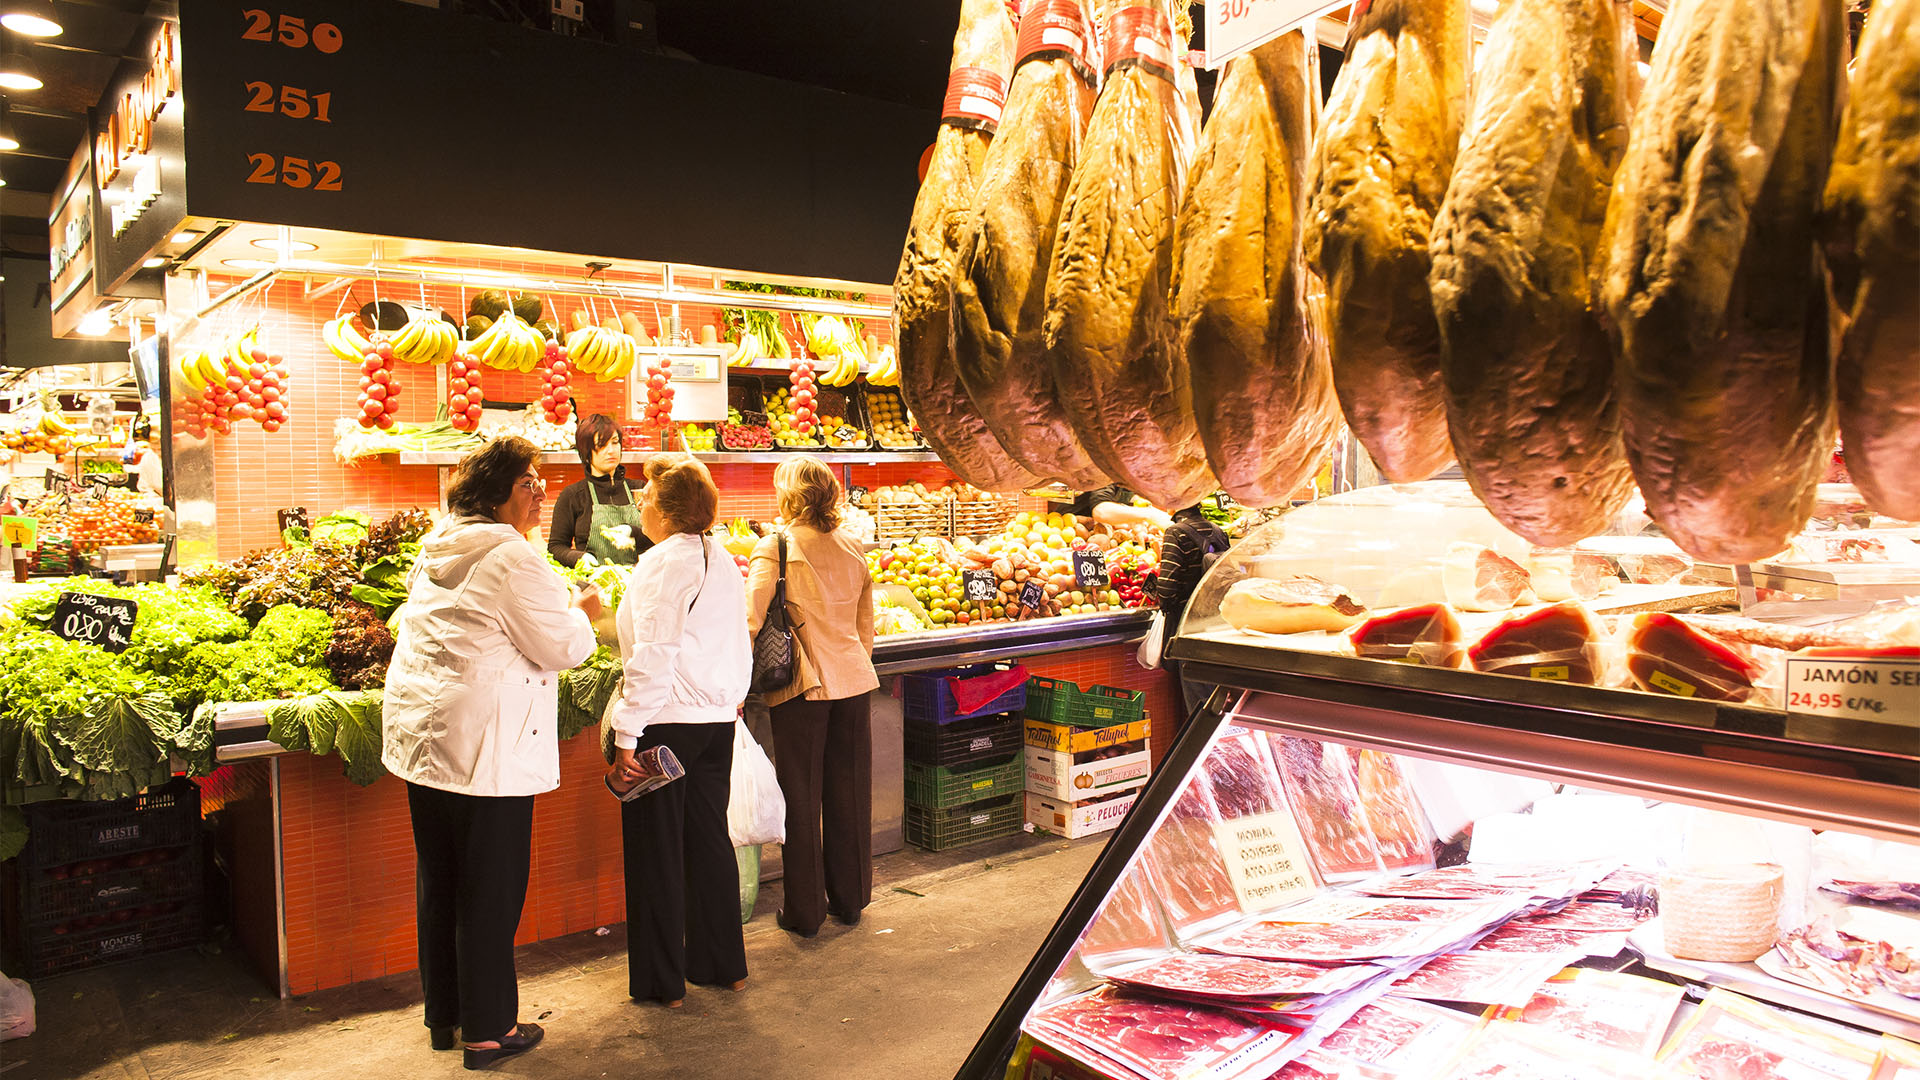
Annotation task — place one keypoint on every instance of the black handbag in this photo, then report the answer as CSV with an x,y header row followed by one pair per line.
x,y
773,645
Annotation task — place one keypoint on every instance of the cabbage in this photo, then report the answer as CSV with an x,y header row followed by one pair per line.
x,y
343,528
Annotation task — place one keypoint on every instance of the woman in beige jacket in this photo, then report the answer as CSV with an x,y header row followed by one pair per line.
x,y
823,748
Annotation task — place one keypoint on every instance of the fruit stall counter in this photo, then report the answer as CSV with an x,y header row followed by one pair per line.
x,y
343,854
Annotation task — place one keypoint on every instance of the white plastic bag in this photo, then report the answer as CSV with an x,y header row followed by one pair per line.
x,y
16,1008
1151,647
756,810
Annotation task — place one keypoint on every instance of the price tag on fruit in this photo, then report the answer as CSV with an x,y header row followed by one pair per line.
x,y
1034,596
1090,569
848,433
856,494
19,532
981,585
1238,26
1859,689
144,517
106,621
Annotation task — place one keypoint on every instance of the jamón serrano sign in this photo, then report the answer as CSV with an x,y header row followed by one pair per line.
x,y
1239,26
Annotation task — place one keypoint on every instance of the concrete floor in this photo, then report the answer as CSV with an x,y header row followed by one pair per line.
x,y
902,996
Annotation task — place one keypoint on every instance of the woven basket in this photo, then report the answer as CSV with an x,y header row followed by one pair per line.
x,y
1723,914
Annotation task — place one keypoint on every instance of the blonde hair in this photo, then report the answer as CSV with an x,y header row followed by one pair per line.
x,y
808,492
682,490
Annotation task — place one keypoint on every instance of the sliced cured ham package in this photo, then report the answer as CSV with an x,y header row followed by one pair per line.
x,y
1712,282
1000,271
1526,364
1292,605
1109,337
1427,634
922,289
1262,385
1872,232
1667,656
1560,643
1385,154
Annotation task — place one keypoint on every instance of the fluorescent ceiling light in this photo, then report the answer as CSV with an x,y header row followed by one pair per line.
x,y
292,245
186,236
247,264
154,263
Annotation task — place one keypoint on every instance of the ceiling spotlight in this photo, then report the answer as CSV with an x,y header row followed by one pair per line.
x,y
18,71
271,244
185,236
96,323
154,263
34,18
8,140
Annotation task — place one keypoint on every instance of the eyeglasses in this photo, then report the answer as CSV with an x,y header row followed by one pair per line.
x,y
533,485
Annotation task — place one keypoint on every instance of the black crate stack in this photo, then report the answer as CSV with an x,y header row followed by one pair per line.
x,y
101,882
964,770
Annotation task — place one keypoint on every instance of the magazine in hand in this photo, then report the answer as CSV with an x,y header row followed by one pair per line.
x,y
658,768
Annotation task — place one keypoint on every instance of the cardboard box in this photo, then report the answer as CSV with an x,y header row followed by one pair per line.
x,y
1064,738
1076,819
1072,777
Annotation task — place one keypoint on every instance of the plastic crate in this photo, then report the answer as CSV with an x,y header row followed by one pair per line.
x,y
1106,706
965,742
163,875
841,401
743,396
937,829
1050,699
927,696
934,787
180,924
66,832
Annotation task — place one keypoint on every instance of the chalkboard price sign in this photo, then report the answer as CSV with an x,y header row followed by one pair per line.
x,y
1090,569
106,621
143,517
293,516
981,585
1034,596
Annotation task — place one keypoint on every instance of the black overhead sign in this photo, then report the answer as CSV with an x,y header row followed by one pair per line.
x,y
381,117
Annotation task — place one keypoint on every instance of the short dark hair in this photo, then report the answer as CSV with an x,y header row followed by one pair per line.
x,y
593,433
486,477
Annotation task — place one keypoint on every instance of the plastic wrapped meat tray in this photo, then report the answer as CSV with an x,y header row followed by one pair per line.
x,y
1326,803
1624,1012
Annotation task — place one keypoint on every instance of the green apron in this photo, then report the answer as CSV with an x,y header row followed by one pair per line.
x,y
607,516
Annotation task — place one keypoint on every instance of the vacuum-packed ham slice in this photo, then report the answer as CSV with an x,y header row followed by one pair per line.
x,y
1318,778
1109,336
1625,1012
1289,605
1667,656
1553,643
922,290
1526,364
1399,826
1424,634
1000,274
1262,385
1873,249
1712,281
1481,579
1381,164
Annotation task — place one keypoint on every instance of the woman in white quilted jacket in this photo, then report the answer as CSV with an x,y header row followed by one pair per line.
x,y
471,705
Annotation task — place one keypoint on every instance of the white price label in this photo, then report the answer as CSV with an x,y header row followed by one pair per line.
x,y
1883,690
1266,860
1238,26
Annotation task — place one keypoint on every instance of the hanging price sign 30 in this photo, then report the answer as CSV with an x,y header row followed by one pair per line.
x,y
1239,26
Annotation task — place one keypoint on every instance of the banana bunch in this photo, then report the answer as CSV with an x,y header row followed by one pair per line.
x,y
188,370
747,350
602,353
240,351
344,340
426,340
828,337
52,424
510,344
886,368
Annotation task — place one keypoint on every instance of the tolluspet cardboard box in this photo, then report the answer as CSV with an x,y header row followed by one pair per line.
x,y
1064,738
1076,819
1075,777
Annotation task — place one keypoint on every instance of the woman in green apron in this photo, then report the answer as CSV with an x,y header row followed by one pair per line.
x,y
598,515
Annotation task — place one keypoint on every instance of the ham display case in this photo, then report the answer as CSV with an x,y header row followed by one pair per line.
x,y
1351,866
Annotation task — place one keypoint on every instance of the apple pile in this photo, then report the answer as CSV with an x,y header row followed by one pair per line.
x,y
463,393
379,390
659,408
556,392
800,374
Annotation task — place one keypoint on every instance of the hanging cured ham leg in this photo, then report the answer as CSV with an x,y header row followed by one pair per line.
x,y
1712,282
922,301
1386,151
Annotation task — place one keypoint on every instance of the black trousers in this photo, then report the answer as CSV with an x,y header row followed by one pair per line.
x,y
472,857
823,754
683,885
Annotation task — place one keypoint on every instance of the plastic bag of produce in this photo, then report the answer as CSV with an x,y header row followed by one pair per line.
x,y
748,859
16,1008
756,810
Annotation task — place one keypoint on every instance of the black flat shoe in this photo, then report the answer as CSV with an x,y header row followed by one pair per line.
x,y
526,1038
844,919
442,1037
780,920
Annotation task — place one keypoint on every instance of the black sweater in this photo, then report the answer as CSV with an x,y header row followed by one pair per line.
x,y
572,520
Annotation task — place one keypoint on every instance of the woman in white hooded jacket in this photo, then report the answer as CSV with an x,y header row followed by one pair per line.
x,y
470,710
683,637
